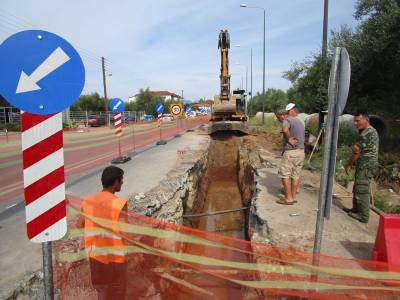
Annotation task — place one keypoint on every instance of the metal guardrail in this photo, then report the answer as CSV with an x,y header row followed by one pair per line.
x,y
74,118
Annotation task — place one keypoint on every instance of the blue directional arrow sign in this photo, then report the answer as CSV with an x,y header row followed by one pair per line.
x,y
40,72
188,109
116,105
159,108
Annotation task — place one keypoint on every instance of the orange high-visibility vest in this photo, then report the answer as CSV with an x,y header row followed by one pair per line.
x,y
101,242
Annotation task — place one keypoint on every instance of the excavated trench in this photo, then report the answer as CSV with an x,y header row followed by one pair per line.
x,y
220,203
221,192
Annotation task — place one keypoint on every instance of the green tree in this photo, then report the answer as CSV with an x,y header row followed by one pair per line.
x,y
272,99
145,102
90,102
3,101
374,51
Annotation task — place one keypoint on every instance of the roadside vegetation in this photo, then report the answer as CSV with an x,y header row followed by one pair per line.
x,y
373,46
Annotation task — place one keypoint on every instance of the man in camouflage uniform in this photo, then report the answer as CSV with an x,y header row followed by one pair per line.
x,y
365,158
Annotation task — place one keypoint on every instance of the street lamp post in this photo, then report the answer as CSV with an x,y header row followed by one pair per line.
x,y
243,5
251,71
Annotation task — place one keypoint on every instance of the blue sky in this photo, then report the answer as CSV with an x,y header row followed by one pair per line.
x,y
172,44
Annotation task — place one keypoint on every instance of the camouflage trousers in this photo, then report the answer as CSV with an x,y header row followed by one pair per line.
x,y
361,191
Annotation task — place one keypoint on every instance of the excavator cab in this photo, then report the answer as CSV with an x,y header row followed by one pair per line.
x,y
240,100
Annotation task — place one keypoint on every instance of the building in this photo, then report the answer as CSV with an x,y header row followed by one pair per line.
x,y
165,95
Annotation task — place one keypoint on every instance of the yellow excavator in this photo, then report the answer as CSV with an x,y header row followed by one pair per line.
x,y
228,111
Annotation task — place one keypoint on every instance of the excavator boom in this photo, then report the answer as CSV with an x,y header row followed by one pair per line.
x,y
228,111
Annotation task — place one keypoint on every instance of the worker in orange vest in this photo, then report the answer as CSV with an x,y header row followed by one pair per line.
x,y
104,246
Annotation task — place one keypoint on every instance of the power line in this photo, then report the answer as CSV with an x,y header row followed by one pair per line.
x,y
16,23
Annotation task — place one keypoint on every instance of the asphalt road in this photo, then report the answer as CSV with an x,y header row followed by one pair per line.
x,y
150,164
82,152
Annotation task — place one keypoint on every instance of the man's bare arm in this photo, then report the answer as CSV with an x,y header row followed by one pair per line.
x,y
353,158
286,133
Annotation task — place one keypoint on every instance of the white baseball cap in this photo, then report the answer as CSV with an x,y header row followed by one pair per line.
x,y
290,106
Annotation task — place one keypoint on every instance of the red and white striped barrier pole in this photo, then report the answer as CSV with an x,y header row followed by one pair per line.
x,y
159,122
44,184
118,130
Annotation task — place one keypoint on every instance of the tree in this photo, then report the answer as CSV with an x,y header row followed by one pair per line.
x,y
145,102
3,101
90,102
375,63
272,99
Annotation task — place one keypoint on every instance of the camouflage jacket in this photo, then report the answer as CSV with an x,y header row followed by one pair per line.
x,y
369,143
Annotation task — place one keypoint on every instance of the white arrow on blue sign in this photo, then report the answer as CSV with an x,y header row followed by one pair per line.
x,y
40,72
159,108
188,109
116,105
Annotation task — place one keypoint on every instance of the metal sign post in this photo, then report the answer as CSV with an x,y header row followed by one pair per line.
x,y
339,82
159,110
133,132
176,110
117,106
42,74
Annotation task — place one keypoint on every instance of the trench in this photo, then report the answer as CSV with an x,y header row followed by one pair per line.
x,y
223,186
219,190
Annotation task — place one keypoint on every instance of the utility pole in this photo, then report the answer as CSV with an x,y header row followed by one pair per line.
x,y
251,75
325,31
263,107
104,83
324,60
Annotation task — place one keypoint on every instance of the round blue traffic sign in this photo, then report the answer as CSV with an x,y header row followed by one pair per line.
x,y
188,109
116,105
159,108
41,73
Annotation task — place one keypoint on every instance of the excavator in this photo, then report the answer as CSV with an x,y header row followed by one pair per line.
x,y
228,111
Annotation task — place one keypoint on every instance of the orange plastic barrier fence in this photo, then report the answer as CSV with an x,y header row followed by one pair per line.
x,y
170,261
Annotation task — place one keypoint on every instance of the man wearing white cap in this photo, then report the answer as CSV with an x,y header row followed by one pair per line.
x,y
293,154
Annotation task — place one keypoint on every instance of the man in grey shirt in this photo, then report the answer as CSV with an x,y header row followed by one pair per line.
x,y
293,154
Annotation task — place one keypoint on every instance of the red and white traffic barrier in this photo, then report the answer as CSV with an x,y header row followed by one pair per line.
x,y
159,120
44,184
118,124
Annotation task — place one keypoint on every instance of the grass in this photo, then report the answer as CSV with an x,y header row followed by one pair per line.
x,y
343,153
270,124
383,203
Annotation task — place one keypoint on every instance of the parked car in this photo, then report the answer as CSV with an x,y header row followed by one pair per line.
x,y
148,118
96,121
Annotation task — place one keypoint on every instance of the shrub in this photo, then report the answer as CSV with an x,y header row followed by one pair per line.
x,y
11,126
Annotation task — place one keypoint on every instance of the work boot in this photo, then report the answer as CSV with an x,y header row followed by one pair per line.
x,y
357,217
347,210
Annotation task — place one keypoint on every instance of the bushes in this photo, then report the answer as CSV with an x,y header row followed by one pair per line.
x,y
11,126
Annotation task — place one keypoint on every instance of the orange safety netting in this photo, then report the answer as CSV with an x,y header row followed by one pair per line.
x,y
170,261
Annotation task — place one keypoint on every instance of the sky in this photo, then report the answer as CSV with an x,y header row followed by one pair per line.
x,y
173,44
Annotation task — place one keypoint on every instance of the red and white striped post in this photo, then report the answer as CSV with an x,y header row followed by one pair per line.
x,y
159,124
44,183
118,130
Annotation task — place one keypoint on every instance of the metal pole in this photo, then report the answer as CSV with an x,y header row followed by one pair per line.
x,y
325,30
133,132
328,167
104,83
247,71
47,271
251,75
263,106
119,147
